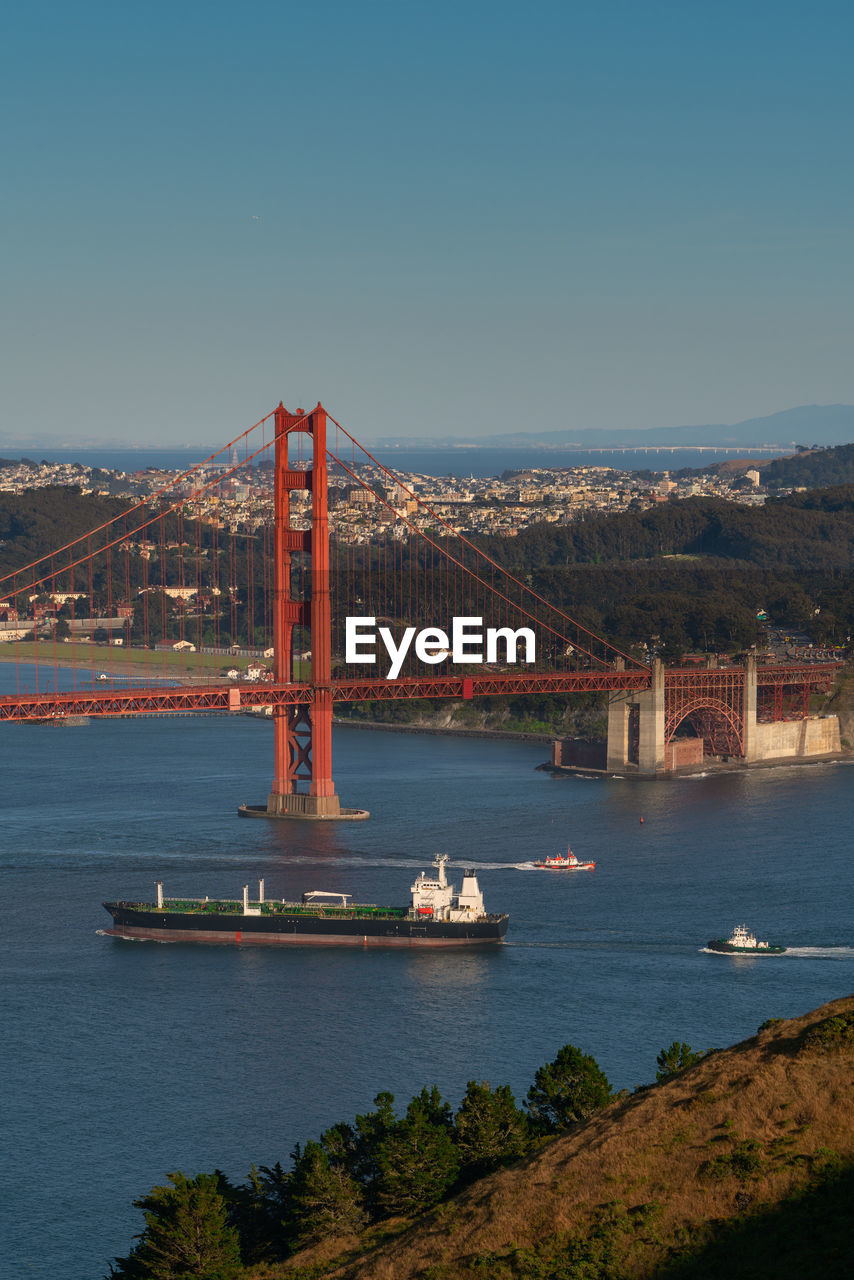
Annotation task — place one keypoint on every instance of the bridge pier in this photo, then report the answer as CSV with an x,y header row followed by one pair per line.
x,y
636,728
750,735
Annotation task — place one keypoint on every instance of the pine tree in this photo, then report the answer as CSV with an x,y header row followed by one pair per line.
x,y
676,1058
187,1234
324,1199
567,1090
418,1160
490,1128
259,1210
372,1130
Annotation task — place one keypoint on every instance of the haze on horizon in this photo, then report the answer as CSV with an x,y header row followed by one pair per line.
x,y
457,220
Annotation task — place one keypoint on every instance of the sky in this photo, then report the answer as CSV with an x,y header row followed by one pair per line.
x,y
439,219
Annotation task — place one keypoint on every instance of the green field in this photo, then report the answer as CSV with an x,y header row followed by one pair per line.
x,y
136,662
107,658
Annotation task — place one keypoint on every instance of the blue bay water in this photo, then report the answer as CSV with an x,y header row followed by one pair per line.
x,y
488,461
127,1060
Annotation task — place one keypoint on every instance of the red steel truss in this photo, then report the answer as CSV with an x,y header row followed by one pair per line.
x,y
135,702
714,699
685,692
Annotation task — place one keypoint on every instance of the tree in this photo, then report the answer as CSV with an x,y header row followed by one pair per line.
x,y
187,1234
490,1128
676,1058
325,1200
372,1130
567,1090
260,1210
418,1160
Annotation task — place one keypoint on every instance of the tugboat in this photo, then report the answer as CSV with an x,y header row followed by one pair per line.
x,y
569,863
437,916
743,943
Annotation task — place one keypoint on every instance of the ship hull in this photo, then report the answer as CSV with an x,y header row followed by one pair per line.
x,y
284,930
564,866
727,948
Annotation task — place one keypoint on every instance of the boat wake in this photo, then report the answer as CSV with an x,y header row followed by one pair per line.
x,y
318,860
838,953
105,933
498,866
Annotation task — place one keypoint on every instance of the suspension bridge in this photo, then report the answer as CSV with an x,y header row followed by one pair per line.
x,y
269,546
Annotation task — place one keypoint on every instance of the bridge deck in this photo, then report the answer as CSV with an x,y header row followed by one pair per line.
x,y
232,697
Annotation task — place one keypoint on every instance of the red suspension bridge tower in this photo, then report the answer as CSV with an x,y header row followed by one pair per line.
x,y
303,733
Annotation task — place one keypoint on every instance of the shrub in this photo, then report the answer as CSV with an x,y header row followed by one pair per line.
x,y
830,1033
679,1056
744,1161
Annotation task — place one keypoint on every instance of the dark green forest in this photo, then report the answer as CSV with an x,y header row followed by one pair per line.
x,y
814,468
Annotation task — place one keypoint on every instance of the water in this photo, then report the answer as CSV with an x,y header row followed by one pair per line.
x,y
432,462
492,461
111,459
127,1060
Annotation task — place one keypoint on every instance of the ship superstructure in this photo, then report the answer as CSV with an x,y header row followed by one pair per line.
x,y
742,942
436,897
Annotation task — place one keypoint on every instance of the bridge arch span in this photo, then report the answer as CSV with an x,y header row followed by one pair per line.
x,y
720,726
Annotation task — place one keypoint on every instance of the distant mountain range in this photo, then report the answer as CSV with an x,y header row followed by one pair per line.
x,y
822,424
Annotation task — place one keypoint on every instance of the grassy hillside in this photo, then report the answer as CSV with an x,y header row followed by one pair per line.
x,y
740,1166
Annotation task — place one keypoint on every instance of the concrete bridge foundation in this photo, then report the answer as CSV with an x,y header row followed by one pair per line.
x,y
636,728
636,732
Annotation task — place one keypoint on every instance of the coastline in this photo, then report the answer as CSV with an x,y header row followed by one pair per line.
x,y
708,767
511,735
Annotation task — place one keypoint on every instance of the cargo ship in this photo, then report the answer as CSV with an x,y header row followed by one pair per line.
x,y
743,943
437,916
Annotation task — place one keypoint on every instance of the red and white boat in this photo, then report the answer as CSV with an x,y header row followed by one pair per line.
x,y
568,863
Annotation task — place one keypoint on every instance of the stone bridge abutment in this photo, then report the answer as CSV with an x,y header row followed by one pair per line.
x,y
720,705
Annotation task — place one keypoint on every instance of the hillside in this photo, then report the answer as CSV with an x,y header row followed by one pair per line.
x,y
681,576
814,468
803,531
742,1165
37,522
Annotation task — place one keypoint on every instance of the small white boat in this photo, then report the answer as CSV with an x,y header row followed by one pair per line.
x,y
567,863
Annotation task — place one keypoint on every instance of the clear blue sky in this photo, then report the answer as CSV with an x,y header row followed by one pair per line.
x,y
447,218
